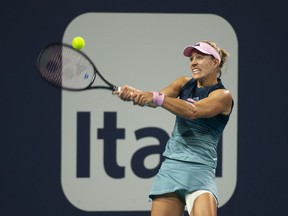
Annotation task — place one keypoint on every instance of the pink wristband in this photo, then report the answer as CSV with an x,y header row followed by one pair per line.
x,y
158,98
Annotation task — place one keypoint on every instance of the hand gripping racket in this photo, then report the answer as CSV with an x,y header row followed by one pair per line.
x,y
67,68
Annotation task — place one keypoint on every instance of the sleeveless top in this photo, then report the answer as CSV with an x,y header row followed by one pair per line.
x,y
196,140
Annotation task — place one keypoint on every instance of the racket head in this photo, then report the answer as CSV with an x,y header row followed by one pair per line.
x,y
65,67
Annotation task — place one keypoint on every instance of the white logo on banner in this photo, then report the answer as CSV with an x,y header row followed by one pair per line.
x,y
110,148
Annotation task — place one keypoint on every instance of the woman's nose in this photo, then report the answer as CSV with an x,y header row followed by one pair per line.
x,y
193,63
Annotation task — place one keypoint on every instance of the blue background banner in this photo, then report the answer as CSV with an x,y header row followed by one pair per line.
x,y
30,125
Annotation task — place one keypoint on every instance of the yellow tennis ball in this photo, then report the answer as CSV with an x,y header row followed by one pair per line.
x,y
78,43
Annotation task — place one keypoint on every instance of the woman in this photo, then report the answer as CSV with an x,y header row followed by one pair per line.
x,y
202,107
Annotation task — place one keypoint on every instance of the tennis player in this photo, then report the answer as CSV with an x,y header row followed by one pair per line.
x,y
202,106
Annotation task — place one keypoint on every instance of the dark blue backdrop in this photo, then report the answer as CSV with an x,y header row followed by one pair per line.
x,y
30,109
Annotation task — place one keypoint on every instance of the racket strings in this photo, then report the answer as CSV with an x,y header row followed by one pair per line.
x,y
66,68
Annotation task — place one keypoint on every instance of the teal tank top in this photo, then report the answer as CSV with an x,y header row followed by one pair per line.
x,y
196,140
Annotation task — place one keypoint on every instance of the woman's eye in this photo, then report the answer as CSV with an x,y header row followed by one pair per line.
x,y
198,57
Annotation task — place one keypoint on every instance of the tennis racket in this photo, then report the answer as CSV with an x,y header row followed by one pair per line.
x,y
67,68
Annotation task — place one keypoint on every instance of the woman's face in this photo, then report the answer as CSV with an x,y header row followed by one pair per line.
x,y
202,65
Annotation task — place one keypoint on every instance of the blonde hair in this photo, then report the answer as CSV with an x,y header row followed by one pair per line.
x,y
223,53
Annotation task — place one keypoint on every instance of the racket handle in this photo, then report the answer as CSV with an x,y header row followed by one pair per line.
x,y
116,88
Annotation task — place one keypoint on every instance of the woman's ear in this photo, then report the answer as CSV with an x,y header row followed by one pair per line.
x,y
216,62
